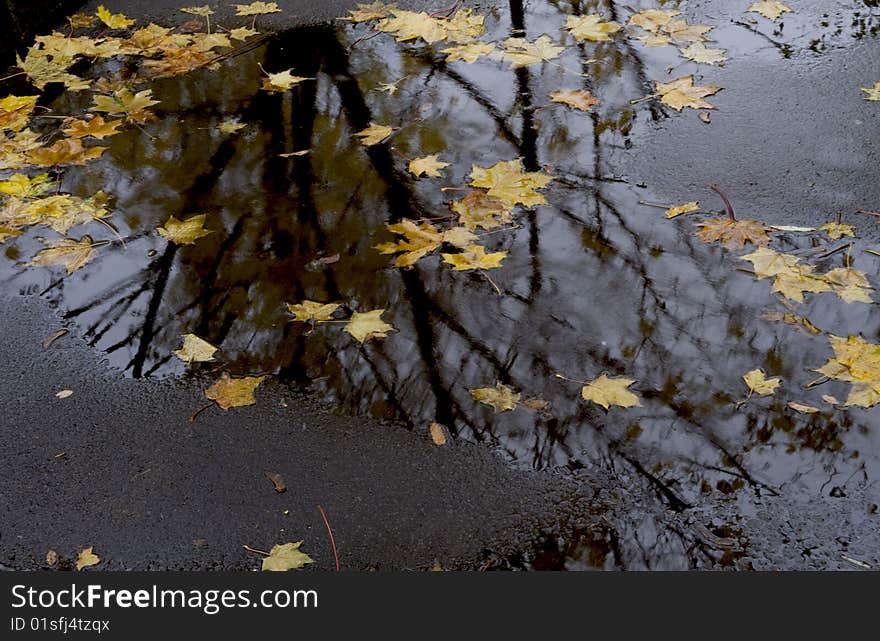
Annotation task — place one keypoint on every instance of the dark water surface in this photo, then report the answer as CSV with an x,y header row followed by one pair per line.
x,y
593,283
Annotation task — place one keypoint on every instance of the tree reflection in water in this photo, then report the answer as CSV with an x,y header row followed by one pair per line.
x,y
593,282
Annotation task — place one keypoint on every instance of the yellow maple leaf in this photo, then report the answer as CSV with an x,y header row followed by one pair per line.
x,y
507,180
652,19
733,234
771,9
367,12
42,69
591,27
67,151
256,8
87,558
837,230
15,111
124,101
68,252
97,127
656,40
698,52
242,33
374,134
367,325
63,211
855,361
203,11
312,312
427,165
113,20
681,31
872,93
607,391
282,81
419,241
686,208
411,25
22,186
230,126
682,92
184,232
793,282
575,98
470,52
768,263
195,350
500,398
285,557
850,285
479,209
464,26
756,380
519,52
474,257
234,392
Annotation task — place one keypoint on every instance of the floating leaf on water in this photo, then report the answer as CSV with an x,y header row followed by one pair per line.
x,y
770,9
575,98
310,311
367,325
427,165
733,234
756,380
686,208
185,232
606,391
195,350
474,257
500,398
590,27
507,181
374,134
803,409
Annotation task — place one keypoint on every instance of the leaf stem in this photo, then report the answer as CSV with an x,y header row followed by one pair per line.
x,y
250,549
727,204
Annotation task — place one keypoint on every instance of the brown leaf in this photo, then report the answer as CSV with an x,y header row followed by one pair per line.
x,y
277,481
733,234
438,434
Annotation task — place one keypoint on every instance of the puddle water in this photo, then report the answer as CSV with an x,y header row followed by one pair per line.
x,y
593,283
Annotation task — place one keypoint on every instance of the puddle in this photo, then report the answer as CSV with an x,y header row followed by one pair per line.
x,y
593,283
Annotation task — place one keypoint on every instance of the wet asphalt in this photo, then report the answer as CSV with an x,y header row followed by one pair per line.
x,y
119,465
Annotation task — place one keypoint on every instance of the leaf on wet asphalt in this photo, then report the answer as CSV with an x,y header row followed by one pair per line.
x,y
837,230
195,350
87,558
367,325
607,391
185,232
479,209
311,312
474,257
97,127
855,361
756,380
256,8
231,392
507,180
686,208
652,19
733,234
803,409
438,434
203,11
65,393
286,557
113,20
575,98
51,557
770,9
427,165
242,33
872,93
277,481
519,52
682,92
367,12
698,52
66,252
282,81
15,111
374,134
500,398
